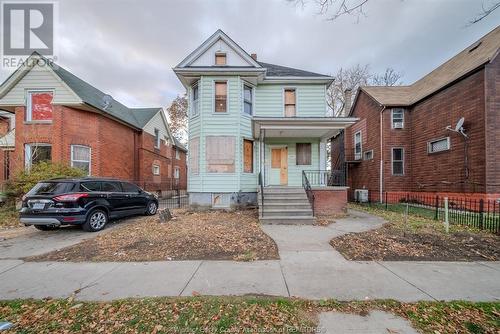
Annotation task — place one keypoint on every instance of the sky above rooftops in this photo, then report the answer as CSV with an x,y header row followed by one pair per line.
x,y
128,48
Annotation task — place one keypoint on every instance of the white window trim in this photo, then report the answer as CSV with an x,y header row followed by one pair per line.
x,y
252,89
296,100
429,145
28,117
402,118
392,160
177,154
28,152
90,157
195,102
177,173
213,97
360,145
153,169
364,155
157,139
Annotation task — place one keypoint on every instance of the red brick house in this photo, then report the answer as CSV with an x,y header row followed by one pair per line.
x,y
61,118
404,139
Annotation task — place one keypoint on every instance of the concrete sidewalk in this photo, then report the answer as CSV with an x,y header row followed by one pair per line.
x,y
308,268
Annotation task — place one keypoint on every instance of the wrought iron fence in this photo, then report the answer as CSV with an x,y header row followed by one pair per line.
x,y
174,199
471,211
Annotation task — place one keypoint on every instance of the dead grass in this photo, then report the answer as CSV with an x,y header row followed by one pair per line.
x,y
419,239
9,217
212,235
325,220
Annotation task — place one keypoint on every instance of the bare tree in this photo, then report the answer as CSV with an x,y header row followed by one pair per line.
x,y
352,78
178,116
333,9
485,12
389,78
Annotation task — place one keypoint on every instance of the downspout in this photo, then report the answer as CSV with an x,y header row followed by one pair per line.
x,y
381,172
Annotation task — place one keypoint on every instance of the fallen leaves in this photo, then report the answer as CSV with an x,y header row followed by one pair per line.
x,y
211,235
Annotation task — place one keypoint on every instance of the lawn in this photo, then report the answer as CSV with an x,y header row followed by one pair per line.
x,y
211,235
233,315
418,238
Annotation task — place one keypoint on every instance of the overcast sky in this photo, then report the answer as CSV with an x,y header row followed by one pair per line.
x,y
127,48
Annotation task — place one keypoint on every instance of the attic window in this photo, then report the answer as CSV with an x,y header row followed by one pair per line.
x,y
475,46
220,59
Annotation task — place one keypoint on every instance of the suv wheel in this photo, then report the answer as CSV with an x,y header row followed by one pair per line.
x,y
96,221
46,227
151,208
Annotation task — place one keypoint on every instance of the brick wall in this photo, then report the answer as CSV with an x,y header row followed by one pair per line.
x,y
426,121
330,201
492,121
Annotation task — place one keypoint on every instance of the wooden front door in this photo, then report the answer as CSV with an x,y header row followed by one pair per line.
x,y
279,162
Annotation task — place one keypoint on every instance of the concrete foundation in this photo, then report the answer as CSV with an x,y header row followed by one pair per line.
x,y
237,200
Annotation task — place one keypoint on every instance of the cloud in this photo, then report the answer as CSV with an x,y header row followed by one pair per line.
x,y
127,48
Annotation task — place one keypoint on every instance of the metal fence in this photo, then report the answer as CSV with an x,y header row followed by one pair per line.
x,y
174,199
479,213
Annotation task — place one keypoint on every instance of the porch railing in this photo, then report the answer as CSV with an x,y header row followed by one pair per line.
x,y
332,178
307,187
261,184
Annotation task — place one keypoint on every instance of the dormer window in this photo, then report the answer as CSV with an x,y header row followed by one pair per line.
x,y
220,59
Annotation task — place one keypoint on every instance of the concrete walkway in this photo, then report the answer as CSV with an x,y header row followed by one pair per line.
x,y
309,268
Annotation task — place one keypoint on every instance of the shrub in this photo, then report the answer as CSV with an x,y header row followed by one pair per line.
x,y
25,180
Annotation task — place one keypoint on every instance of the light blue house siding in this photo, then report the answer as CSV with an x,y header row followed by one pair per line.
x,y
268,101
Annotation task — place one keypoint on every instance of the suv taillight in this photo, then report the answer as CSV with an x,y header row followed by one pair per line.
x,y
70,197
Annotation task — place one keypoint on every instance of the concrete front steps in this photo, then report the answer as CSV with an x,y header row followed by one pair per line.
x,y
285,205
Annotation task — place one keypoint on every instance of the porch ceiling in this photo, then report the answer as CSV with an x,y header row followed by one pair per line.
x,y
291,127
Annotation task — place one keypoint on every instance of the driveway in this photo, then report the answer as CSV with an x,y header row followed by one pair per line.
x,y
34,242
309,267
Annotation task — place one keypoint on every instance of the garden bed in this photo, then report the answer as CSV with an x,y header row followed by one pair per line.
x,y
212,235
417,239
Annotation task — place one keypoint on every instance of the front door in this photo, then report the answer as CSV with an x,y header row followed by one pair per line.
x,y
279,166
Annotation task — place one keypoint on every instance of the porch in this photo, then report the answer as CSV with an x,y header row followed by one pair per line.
x,y
293,169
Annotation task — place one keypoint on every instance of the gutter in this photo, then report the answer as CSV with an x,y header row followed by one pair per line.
x,y
381,171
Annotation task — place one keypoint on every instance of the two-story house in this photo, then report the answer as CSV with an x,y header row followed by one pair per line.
x,y
437,136
256,128
59,117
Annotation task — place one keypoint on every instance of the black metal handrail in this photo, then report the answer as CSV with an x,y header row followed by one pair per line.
x,y
307,187
332,178
261,184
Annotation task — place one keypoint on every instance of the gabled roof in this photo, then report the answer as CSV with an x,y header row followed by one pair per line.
x,y
282,71
478,54
91,96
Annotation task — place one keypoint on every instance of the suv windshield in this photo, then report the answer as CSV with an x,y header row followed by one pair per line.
x,y
51,188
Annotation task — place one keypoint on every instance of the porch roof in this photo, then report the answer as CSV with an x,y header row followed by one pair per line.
x,y
292,127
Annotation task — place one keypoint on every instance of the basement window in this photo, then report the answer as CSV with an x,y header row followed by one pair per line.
x,y
368,155
438,145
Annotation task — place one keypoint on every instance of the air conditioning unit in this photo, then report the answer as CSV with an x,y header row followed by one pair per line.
x,y
398,125
361,195
357,156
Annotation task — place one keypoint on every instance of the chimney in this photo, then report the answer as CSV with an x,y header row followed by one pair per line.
x,y
347,102
254,56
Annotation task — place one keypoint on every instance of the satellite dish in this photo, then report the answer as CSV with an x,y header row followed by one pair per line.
x,y
459,125
106,101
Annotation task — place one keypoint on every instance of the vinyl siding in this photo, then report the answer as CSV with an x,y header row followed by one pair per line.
x,y
157,123
310,100
39,78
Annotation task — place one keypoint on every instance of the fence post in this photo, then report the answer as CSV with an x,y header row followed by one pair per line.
x,y
178,192
436,215
481,214
446,222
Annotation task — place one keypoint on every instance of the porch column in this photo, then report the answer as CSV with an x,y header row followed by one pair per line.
x,y
322,154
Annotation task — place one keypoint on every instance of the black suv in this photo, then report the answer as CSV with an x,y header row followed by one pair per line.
x,y
89,202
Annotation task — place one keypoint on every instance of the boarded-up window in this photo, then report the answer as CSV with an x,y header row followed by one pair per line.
x,y
220,96
303,153
220,152
275,158
194,153
39,106
220,59
248,156
290,103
